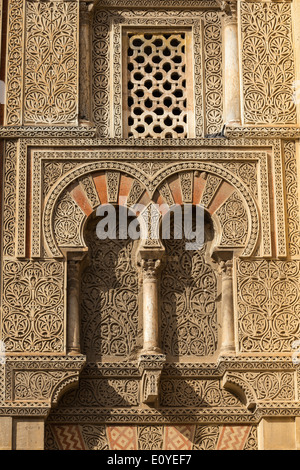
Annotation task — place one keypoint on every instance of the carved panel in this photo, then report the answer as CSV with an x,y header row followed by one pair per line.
x,y
211,187
100,60
247,172
32,385
112,182
88,186
52,171
9,197
252,440
206,437
268,305
14,72
100,392
107,114
94,437
234,221
195,393
188,302
186,183
267,62
67,221
150,437
109,298
292,201
33,307
272,386
50,82
213,72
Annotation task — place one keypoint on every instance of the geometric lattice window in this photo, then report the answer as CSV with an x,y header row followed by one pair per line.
x,y
157,84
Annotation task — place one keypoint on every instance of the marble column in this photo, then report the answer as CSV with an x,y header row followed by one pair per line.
x,y
228,342
232,104
150,268
73,289
85,105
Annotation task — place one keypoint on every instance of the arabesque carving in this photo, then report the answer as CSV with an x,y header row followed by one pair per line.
x,y
267,63
50,80
268,305
33,308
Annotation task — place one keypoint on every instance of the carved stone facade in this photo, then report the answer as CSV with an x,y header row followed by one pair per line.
x,y
147,343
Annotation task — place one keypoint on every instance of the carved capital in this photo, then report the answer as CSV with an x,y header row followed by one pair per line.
x,y
84,13
225,267
150,268
229,8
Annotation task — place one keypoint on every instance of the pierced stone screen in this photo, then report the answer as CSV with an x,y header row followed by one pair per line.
x,y
158,88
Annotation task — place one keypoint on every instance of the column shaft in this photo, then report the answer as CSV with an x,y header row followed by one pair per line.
x,y
73,329
150,307
232,106
228,342
85,65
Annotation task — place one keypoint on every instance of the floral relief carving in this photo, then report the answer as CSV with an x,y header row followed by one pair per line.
x,y
268,305
206,437
67,221
50,63
234,221
9,198
109,298
267,63
150,437
33,306
292,199
52,171
100,392
37,385
188,302
272,386
14,73
196,393
94,437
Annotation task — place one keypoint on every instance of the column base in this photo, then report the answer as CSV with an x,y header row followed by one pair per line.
x,y
85,123
228,351
151,351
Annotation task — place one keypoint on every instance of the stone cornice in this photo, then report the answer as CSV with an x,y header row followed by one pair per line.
x,y
272,132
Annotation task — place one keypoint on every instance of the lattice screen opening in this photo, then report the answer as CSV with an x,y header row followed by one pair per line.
x,y
157,84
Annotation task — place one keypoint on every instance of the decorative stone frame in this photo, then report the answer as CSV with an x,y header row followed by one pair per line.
x,y
107,84
40,156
